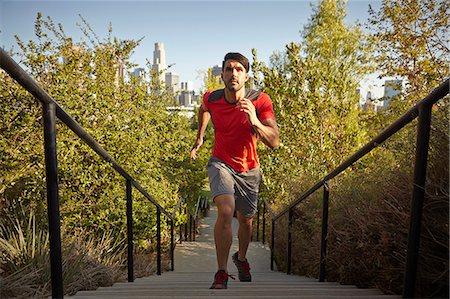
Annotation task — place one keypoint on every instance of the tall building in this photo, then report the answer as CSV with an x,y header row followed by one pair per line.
x,y
173,81
159,61
187,85
187,96
216,72
139,73
392,88
371,99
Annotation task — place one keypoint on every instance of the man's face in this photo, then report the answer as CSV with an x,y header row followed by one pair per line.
x,y
234,75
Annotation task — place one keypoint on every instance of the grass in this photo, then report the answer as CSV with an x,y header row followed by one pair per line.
x,y
368,229
88,262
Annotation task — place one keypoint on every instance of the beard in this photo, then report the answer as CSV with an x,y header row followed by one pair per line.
x,y
234,85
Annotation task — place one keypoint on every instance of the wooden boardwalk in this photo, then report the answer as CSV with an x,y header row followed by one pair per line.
x,y
195,266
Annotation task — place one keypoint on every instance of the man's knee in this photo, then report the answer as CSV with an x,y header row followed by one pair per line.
x,y
244,221
225,206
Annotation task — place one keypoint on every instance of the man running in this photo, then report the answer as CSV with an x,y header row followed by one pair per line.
x,y
240,118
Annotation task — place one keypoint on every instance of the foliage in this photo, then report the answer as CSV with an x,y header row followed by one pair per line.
x,y
370,202
313,87
369,222
411,38
89,261
211,82
27,247
127,116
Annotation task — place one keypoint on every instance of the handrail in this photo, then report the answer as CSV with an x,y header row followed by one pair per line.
x,y
438,93
197,205
422,110
191,224
269,209
266,209
52,110
177,206
26,81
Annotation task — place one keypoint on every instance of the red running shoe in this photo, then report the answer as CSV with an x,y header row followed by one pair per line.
x,y
221,280
243,268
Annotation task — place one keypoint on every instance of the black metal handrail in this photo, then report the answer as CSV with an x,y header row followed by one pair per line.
x,y
190,225
422,110
266,209
51,110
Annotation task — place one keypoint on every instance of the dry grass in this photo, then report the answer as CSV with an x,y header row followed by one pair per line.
x,y
87,263
369,223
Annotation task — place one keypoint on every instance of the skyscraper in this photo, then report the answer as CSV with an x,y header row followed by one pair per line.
x,y
216,72
392,88
173,81
139,73
159,61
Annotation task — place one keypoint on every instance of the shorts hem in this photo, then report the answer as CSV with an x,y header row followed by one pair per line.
x,y
222,193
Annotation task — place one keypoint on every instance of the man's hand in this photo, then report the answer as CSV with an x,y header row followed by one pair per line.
x,y
246,106
267,129
198,143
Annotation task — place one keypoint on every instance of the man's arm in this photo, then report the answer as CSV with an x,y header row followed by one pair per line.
x,y
268,132
267,129
203,118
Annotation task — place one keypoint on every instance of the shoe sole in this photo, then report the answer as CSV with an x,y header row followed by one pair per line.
x,y
214,288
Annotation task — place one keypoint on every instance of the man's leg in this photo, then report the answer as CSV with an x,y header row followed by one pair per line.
x,y
244,234
223,233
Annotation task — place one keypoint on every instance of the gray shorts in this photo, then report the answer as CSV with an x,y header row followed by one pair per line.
x,y
243,185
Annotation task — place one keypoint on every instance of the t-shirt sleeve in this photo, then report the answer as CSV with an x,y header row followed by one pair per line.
x,y
205,100
265,110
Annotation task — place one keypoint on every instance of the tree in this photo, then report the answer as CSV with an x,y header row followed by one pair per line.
x,y
211,82
411,38
412,41
313,87
89,80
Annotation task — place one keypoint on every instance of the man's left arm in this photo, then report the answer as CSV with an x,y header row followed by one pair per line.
x,y
268,132
267,128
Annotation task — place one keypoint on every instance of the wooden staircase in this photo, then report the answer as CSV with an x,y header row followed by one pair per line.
x,y
195,266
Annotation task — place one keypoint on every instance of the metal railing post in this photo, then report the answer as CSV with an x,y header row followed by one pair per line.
x,y
51,169
324,236
420,168
190,227
186,224
272,245
257,222
289,245
130,230
264,223
158,240
172,245
194,228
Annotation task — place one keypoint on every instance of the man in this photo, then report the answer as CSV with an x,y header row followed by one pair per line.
x,y
240,117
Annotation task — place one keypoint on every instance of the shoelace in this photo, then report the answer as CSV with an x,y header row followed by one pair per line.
x,y
223,275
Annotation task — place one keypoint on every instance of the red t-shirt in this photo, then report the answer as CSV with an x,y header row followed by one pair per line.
x,y
234,137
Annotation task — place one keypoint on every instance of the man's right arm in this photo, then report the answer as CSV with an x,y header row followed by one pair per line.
x,y
203,118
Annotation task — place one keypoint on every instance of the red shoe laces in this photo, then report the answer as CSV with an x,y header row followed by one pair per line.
x,y
222,275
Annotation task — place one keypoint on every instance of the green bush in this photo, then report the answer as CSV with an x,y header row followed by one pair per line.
x,y
127,117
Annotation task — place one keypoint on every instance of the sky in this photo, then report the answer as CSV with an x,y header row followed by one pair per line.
x,y
196,34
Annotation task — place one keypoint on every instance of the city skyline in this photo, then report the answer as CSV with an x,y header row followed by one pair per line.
x,y
196,34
